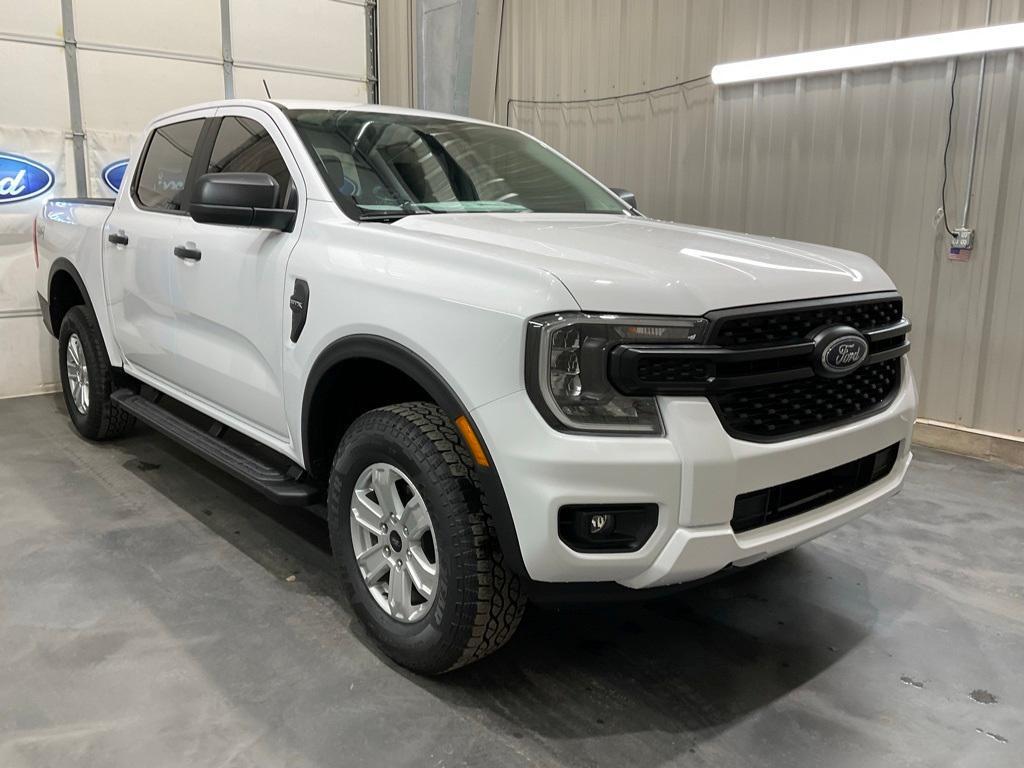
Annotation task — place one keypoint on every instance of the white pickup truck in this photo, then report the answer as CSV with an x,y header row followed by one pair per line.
x,y
495,378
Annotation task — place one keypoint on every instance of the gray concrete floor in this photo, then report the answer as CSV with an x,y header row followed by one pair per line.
x,y
153,612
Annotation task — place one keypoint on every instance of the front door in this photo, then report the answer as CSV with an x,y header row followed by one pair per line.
x,y
229,303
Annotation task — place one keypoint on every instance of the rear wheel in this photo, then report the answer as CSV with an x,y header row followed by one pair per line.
x,y
417,554
87,378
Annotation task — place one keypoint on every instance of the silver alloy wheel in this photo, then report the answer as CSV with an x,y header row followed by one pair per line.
x,y
78,374
393,542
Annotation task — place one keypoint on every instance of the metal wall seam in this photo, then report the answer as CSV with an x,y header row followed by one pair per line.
x,y
15,37
67,13
155,53
263,67
372,91
225,40
190,57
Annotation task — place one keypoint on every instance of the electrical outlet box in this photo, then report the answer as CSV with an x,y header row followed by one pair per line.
x,y
962,245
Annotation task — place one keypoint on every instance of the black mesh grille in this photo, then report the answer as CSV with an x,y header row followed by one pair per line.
x,y
796,324
777,411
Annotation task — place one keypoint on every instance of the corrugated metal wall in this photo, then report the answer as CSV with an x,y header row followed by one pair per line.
x,y
395,31
853,160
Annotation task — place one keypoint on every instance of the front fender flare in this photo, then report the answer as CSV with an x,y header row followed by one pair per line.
x,y
419,370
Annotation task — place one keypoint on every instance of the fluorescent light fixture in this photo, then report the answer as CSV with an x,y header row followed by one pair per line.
x,y
946,45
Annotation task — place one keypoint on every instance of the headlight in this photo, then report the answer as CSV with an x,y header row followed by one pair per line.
x,y
567,368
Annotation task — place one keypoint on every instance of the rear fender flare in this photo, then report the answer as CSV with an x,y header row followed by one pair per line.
x,y
61,264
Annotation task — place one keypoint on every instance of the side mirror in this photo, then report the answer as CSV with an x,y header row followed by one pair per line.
x,y
242,199
626,196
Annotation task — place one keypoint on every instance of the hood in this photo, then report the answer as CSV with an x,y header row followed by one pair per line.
x,y
623,264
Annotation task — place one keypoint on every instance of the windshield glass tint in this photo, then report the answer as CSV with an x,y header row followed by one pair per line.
x,y
402,163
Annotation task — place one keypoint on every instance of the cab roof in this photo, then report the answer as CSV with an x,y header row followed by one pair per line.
x,y
316,104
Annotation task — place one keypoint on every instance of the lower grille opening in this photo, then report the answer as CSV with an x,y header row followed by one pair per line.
x,y
769,505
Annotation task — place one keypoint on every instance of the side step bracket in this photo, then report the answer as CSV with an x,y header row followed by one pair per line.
x,y
285,486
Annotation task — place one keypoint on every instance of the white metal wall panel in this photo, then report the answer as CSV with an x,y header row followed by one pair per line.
x,y
33,86
316,36
40,18
135,59
189,27
156,85
249,84
853,159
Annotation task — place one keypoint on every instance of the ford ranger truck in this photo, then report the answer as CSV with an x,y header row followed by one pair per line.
x,y
489,372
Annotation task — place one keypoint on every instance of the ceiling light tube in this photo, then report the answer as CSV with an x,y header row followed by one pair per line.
x,y
946,45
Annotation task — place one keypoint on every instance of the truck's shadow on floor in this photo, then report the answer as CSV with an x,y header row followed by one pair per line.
x,y
664,674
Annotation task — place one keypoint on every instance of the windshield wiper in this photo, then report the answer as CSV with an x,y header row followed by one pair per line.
x,y
408,208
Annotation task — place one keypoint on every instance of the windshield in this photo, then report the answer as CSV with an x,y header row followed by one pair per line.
x,y
392,165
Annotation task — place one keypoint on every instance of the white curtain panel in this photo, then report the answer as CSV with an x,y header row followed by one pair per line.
x,y
107,154
33,168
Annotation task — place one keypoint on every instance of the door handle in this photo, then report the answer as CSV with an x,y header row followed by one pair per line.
x,y
188,254
118,238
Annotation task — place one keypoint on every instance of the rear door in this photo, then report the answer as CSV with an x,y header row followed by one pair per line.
x,y
139,266
229,304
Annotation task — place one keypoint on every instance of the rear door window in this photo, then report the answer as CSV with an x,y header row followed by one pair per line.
x,y
161,181
244,146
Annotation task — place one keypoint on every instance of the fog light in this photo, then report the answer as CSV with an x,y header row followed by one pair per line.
x,y
606,527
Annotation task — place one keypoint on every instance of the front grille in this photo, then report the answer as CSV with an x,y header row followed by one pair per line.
x,y
669,368
777,411
762,369
794,324
779,502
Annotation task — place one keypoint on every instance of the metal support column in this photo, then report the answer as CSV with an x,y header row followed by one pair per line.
x,y
225,39
67,13
372,90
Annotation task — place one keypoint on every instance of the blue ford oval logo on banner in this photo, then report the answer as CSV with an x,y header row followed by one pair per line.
x,y
113,174
22,178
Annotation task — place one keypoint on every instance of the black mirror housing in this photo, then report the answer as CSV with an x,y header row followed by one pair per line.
x,y
241,199
626,196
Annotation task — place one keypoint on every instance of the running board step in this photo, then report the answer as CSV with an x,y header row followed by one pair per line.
x,y
281,486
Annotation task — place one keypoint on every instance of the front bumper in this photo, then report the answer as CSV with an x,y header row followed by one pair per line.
x,y
693,474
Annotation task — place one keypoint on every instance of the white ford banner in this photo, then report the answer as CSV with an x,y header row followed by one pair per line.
x,y
32,170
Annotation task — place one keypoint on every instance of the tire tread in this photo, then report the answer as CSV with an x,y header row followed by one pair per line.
x,y
113,421
497,600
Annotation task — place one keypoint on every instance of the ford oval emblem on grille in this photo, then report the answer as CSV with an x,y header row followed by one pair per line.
x,y
839,350
22,178
844,354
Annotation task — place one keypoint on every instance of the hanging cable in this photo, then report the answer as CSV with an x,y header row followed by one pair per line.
x,y
945,152
648,92
977,127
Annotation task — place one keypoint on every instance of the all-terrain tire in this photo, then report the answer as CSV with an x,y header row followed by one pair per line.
x,y
103,419
479,602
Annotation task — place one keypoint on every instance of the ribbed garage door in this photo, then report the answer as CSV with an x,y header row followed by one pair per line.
x,y
79,79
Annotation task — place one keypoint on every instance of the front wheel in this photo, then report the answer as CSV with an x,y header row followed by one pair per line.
x,y
414,544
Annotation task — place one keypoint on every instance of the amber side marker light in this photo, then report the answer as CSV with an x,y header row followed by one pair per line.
x,y
472,441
